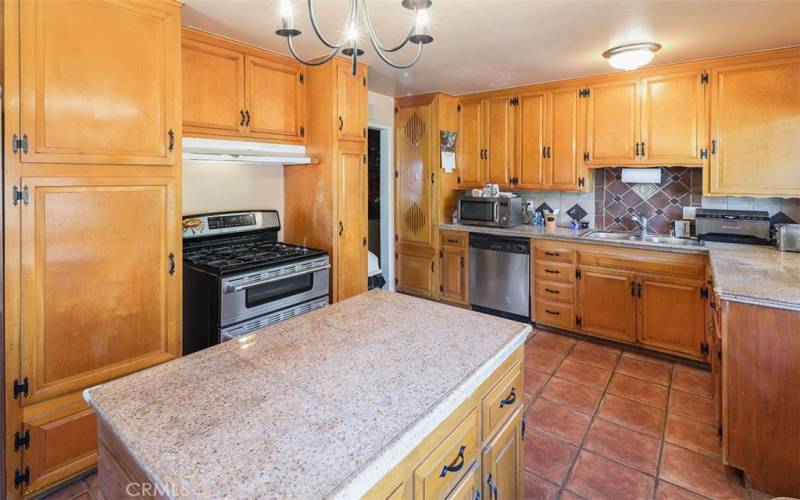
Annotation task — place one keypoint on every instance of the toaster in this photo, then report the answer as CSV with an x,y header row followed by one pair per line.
x,y
787,237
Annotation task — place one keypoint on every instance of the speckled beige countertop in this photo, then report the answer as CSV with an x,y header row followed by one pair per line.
x,y
322,405
751,274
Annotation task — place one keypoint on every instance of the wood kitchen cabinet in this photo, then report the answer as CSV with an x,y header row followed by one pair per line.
x,y
612,122
352,225
502,461
454,267
499,149
92,261
531,136
606,304
755,123
232,90
671,313
566,134
469,145
351,103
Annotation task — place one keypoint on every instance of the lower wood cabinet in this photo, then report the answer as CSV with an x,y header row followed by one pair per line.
x,y
502,461
470,486
454,267
606,303
671,313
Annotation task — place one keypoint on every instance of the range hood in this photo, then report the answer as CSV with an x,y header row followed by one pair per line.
x,y
262,153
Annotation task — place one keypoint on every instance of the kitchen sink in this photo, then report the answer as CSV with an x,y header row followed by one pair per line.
x,y
623,236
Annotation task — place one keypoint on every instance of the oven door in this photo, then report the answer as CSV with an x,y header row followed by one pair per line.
x,y
253,294
478,212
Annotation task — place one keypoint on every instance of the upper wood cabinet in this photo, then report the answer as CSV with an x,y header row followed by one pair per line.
x,y
213,89
470,145
566,134
351,267
755,126
499,149
352,103
78,104
232,90
612,123
531,149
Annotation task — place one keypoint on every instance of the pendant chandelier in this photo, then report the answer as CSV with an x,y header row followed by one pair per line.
x,y
347,43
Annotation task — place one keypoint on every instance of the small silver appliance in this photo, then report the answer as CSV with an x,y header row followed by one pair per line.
x,y
499,211
733,226
787,237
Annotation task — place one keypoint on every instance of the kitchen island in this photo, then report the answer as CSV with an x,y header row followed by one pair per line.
x,y
379,395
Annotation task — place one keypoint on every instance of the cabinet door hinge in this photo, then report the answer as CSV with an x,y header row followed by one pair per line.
x,y
20,388
719,430
396,110
364,159
364,132
19,143
395,281
396,256
171,134
704,293
441,288
586,156
523,428
441,254
458,180
432,178
302,78
433,267
21,478
577,274
458,108
302,131
364,81
581,181
703,154
21,440
17,195
584,92
704,78
396,173
703,348
364,241
396,238
578,321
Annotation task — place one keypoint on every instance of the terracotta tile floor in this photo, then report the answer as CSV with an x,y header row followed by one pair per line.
x,y
607,423
603,423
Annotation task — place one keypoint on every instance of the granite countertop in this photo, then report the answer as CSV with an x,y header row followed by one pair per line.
x,y
752,274
322,405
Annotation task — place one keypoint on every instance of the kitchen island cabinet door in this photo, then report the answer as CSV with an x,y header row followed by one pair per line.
x,y
351,265
213,89
671,314
275,105
79,104
502,461
470,162
612,123
606,303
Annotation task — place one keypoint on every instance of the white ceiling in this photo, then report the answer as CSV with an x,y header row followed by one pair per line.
x,y
489,44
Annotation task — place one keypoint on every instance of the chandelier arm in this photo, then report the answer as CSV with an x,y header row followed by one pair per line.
x,y
321,37
355,40
374,37
390,63
319,62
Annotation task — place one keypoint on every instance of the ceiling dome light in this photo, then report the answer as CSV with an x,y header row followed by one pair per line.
x,y
631,56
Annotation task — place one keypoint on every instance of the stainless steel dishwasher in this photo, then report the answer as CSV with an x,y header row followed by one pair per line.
x,y
499,274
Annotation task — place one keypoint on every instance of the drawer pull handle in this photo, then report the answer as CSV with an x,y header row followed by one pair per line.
x,y
554,313
552,254
450,240
550,290
552,271
512,396
456,465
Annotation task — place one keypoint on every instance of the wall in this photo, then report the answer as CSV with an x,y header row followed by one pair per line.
x,y
217,187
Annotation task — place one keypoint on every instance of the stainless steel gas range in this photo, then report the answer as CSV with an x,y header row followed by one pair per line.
x,y
239,278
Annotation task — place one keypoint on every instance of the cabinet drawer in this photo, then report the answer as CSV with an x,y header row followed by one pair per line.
x,y
454,238
449,461
499,403
549,251
554,314
553,290
556,271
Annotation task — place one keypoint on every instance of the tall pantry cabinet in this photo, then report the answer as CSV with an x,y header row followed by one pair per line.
x,y
92,243
325,204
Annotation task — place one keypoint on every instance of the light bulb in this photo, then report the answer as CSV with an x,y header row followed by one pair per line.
x,y
422,18
352,32
631,60
286,9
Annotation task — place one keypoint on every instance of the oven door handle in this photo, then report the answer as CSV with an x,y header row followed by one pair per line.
x,y
496,212
239,288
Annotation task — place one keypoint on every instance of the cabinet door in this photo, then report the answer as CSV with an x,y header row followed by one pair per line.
x,y
100,293
415,269
99,81
275,105
612,123
351,269
454,274
755,123
502,461
531,152
671,313
470,145
499,140
673,119
606,304
351,104
469,488
566,137
213,90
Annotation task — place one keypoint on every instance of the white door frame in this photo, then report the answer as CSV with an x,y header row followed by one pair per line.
x,y
387,202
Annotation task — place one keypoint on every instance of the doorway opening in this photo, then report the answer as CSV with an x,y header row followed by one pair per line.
x,y
379,207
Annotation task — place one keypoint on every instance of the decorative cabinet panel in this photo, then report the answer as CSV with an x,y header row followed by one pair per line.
x,y
213,89
606,303
352,103
74,108
755,125
470,145
673,119
671,313
612,123
351,266
233,90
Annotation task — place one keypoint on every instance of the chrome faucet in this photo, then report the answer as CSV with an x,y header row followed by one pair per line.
x,y
641,220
